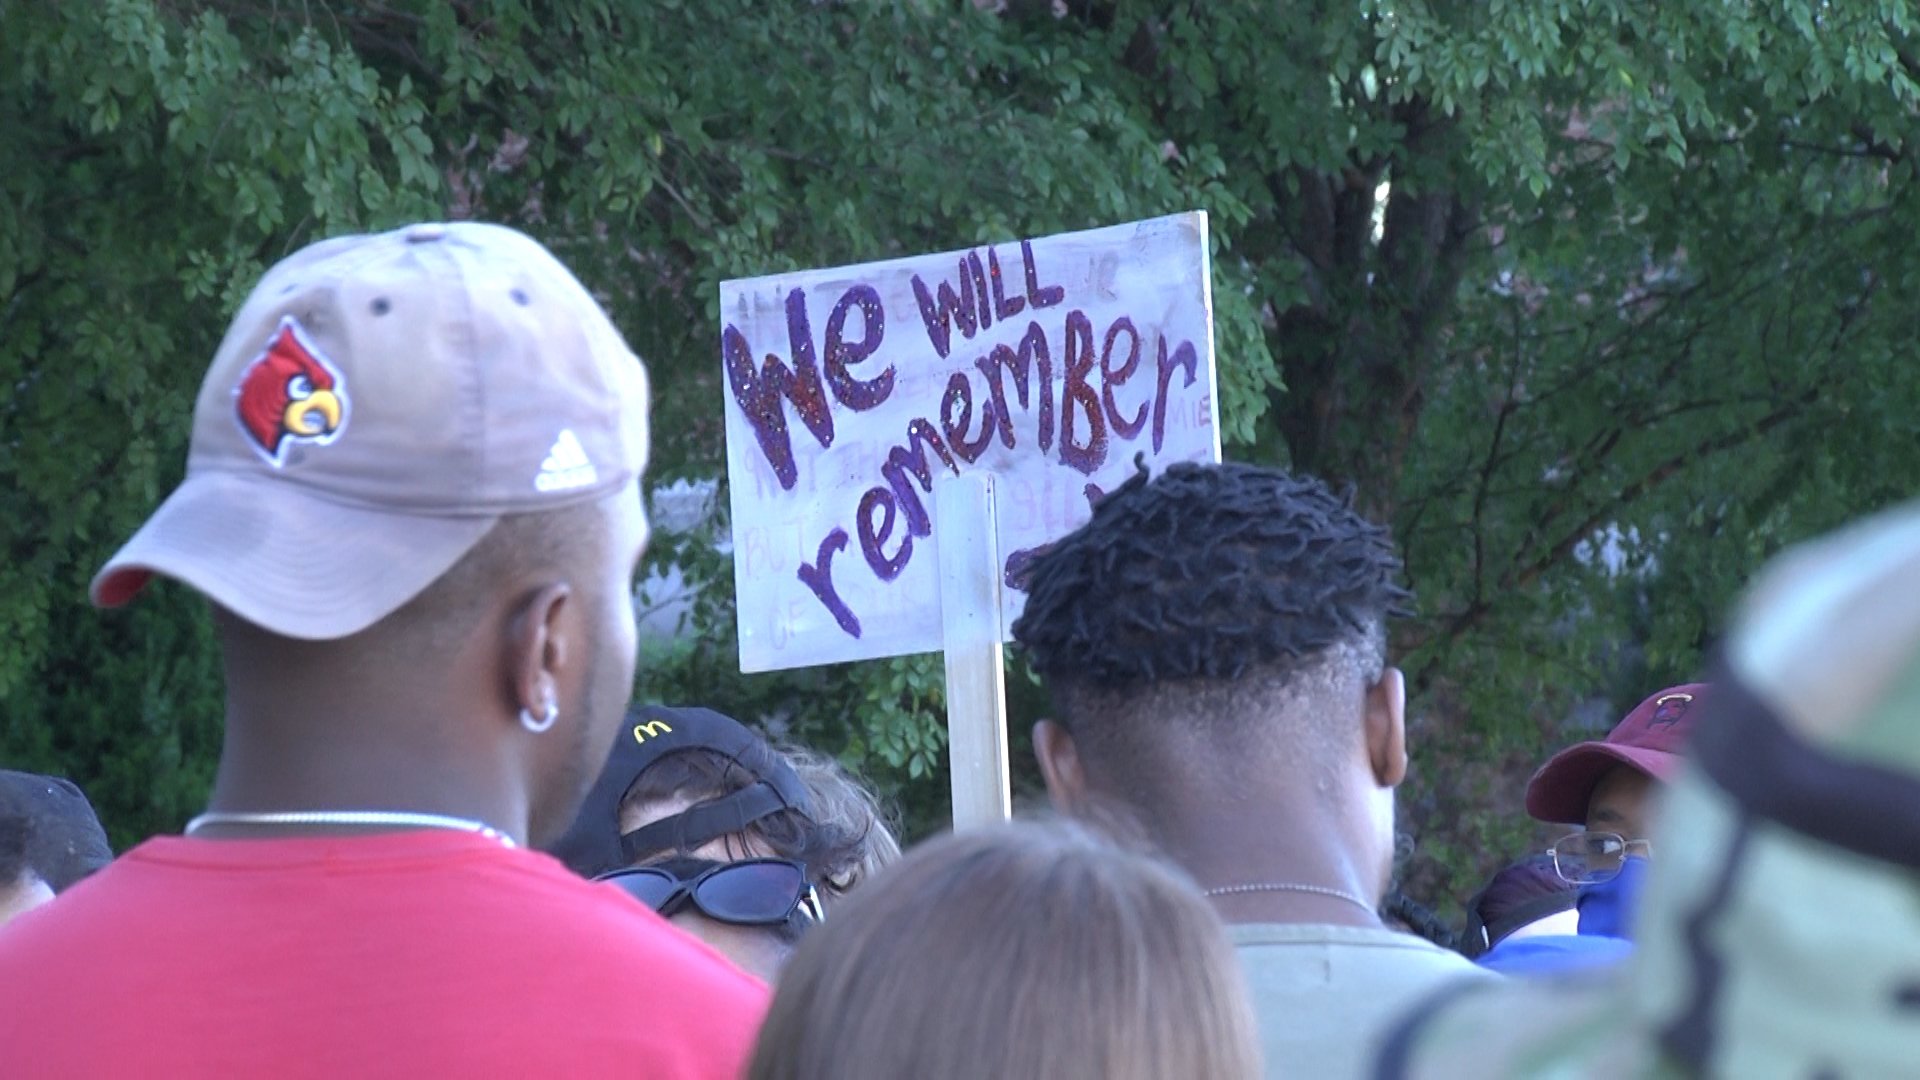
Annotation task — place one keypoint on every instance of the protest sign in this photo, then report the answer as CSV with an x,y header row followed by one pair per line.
x,y
850,392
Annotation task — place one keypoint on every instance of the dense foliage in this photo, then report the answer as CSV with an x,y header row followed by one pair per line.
x,y
1598,303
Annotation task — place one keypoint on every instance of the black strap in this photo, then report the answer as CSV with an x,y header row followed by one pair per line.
x,y
1860,807
704,822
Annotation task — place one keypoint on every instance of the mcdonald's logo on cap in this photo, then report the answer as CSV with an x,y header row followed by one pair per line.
x,y
650,729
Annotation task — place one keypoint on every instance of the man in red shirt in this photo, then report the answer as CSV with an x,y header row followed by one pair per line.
x,y
412,499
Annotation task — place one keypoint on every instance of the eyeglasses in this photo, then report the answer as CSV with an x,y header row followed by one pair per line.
x,y
1589,858
751,892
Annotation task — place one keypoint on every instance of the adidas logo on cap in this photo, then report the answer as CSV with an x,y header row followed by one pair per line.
x,y
566,466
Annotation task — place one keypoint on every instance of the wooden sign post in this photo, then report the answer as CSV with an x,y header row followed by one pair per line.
x,y
966,535
900,434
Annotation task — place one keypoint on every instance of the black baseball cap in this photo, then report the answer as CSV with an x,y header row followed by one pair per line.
x,y
594,844
64,839
1521,893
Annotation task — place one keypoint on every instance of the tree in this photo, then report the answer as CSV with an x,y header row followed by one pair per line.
x,y
158,157
1544,281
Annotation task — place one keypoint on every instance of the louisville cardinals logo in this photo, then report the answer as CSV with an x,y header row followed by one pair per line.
x,y
290,394
1669,709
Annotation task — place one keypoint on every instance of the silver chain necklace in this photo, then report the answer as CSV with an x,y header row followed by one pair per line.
x,y
1284,886
399,818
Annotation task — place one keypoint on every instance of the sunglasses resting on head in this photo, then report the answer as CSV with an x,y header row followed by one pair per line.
x,y
751,892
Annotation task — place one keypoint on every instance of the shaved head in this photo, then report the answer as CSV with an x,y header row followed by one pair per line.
x,y
1162,738
519,545
535,619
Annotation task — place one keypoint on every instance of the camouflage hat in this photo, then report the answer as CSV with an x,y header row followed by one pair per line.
x,y
1781,929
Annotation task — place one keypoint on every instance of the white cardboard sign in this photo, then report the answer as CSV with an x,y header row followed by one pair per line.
x,y
1052,363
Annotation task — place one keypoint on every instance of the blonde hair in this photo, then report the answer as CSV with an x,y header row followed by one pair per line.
x,y
1019,950
841,801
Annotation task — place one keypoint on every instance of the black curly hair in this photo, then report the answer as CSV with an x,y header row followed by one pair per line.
x,y
1222,585
1204,573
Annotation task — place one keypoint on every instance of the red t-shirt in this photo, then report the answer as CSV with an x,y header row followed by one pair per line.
x,y
428,953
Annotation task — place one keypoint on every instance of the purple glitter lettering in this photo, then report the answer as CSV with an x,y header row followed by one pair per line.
x,y
1003,360
912,458
819,578
960,395
1037,297
948,312
1004,307
855,393
1185,358
873,536
758,390
1075,391
980,290
1111,377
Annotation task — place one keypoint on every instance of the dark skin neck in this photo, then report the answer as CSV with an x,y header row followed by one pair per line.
x,y
353,725
1248,793
1283,833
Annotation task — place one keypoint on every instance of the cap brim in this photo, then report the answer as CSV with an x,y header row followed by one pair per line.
x,y
285,559
1559,792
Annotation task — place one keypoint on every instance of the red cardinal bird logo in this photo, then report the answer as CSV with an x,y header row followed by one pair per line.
x,y
290,394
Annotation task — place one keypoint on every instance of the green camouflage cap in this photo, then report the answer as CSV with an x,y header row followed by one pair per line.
x,y
1780,930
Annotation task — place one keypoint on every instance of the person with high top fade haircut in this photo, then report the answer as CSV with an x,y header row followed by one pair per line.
x,y
411,500
1215,643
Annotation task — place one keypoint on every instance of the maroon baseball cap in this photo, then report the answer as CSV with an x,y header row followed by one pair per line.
x,y
1650,739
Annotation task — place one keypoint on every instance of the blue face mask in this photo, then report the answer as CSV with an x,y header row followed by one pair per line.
x,y
1607,909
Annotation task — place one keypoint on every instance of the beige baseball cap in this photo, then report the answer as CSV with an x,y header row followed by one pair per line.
x,y
377,405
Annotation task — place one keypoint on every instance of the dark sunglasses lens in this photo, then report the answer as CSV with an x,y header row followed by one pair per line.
x,y
650,887
751,892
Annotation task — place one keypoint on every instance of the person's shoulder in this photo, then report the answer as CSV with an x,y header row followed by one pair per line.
x,y
438,892
1437,960
611,940
69,923
66,943
1330,934
662,995
530,949
608,932
1444,962
1555,953
1574,1026
1372,947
